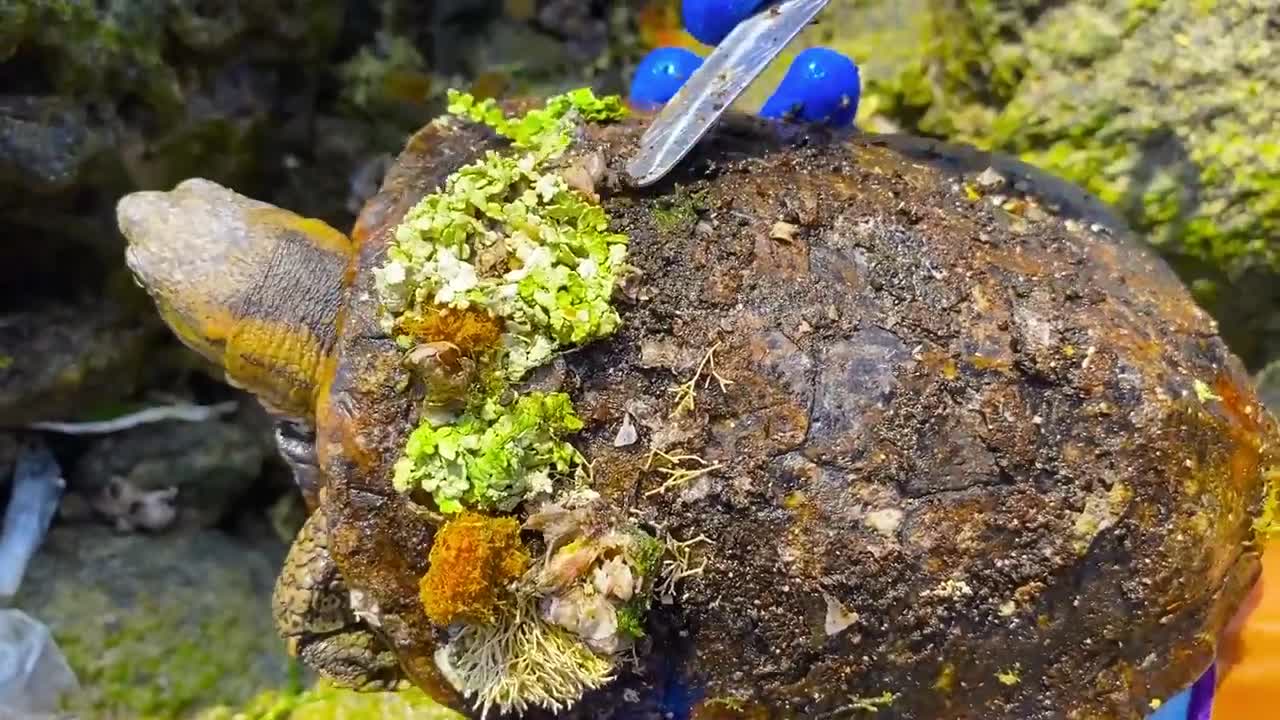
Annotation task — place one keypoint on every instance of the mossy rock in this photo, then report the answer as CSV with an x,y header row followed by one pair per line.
x,y
324,702
158,627
1166,111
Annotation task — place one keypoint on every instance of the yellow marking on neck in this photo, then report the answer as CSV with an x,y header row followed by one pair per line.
x,y
279,362
317,231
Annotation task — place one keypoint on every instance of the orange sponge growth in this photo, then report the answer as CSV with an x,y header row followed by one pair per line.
x,y
472,329
474,559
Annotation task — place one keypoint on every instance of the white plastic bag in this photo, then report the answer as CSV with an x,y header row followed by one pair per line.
x,y
34,674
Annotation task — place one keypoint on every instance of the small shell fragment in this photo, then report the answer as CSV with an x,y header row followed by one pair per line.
x,y
627,434
839,618
783,231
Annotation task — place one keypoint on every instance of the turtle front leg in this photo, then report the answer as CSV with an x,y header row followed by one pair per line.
x,y
312,610
354,659
297,445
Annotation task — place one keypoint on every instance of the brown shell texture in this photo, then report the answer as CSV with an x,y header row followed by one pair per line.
x,y
981,454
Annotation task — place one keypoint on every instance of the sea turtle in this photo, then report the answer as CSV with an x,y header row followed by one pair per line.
x,y
923,430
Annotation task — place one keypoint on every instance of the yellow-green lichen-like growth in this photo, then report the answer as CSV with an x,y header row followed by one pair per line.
x,y
474,561
505,238
509,236
494,456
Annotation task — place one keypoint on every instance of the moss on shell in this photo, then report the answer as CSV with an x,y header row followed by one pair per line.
x,y
509,241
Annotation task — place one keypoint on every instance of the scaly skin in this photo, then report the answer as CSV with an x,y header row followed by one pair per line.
x,y
257,290
248,285
312,609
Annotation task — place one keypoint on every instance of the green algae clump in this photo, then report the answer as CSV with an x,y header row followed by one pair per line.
x,y
494,456
508,241
474,559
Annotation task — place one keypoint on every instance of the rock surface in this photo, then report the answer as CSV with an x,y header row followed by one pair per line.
x,y
61,361
210,464
158,627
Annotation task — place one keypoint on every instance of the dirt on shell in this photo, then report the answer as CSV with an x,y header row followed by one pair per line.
x,y
973,419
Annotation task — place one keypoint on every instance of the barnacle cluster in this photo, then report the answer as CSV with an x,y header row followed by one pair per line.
x,y
510,262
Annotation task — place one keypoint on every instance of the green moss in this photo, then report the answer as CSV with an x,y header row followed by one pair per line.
x,y
631,617
678,212
152,657
384,73
1164,110
646,554
325,702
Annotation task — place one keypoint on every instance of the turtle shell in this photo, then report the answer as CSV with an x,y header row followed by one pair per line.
x,y
977,452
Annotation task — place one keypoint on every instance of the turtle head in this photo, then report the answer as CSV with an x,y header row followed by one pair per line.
x,y
250,286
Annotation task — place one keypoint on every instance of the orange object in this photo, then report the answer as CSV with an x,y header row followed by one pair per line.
x,y
661,26
1249,660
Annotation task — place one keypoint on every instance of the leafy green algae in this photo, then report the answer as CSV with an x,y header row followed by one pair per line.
x,y
509,237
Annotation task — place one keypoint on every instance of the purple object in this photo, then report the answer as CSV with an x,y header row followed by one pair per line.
x,y
1201,707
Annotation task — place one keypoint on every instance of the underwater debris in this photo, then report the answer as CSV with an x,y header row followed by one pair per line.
x,y
838,618
687,393
869,704
35,677
130,508
164,413
678,565
627,434
37,486
675,470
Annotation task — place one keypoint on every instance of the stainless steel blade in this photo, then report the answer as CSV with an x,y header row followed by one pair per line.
x,y
730,68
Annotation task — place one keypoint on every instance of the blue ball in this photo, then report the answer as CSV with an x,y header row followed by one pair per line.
x,y
711,20
821,86
661,73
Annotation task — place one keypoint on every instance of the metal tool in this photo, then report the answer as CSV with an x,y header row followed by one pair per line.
x,y
730,68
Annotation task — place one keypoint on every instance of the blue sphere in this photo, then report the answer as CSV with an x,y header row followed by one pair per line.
x,y
820,86
661,74
711,20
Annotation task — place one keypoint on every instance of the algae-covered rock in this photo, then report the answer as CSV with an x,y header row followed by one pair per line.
x,y
1166,111
325,702
158,628
1269,386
